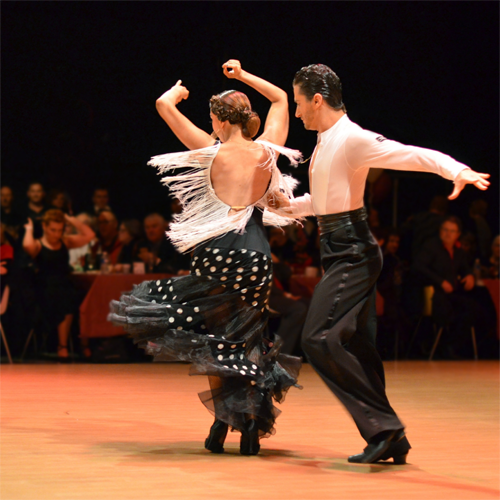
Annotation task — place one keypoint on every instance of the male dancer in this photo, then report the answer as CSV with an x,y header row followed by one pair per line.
x,y
340,329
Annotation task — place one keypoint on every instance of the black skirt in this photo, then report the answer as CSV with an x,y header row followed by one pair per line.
x,y
215,318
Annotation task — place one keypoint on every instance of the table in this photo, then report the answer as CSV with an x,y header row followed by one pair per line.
x,y
102,289
304,286
493,286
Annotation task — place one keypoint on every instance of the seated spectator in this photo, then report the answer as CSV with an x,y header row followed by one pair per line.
x,y
59,199
291,308
443,264
480,229
9,216
156,251
494,260
55,292
100,201
77,255
6,258
468,245
35,208
129,234
107,236
280,243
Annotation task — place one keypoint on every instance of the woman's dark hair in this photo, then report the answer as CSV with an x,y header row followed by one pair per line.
x,y
134,227
53,215
320,79
234,106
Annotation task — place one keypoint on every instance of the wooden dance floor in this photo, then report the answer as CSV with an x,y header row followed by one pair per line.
x,y
120,432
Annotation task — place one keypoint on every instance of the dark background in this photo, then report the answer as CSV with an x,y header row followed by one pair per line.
x,y
80,80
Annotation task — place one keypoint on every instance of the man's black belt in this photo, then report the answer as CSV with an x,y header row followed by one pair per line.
x,y
331,222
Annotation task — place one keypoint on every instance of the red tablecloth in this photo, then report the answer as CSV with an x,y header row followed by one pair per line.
x,y
304,286
102,289
493,286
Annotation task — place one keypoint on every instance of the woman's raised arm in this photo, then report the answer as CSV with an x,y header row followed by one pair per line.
x,y
276,126
185,130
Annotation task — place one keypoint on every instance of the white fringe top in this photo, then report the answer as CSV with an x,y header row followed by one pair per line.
x,y
204,215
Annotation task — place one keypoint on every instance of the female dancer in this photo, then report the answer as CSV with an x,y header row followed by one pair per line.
x,y
215,317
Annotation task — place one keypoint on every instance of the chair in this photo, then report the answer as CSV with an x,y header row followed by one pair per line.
x,y
3,308
428,293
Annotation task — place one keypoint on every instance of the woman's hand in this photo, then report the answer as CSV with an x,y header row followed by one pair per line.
x,y
29,225
176,94
69,219
232,69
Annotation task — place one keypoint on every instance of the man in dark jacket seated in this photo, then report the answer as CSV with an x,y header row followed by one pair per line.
x,y
443,264
156,251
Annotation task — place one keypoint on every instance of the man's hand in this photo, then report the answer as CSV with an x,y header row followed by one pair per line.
x,y
29,225
468,176
232,69
468,282
446,286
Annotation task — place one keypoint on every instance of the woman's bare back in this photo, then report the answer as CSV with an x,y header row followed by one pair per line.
x,y
236,177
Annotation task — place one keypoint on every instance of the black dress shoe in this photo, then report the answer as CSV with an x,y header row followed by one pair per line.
x,y
398,449
217,436
375,449
249,443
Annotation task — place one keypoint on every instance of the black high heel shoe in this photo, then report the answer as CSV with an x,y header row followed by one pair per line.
x,y
249,443
217,436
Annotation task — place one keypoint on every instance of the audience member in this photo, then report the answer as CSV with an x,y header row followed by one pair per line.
x,y
443,264
77,255
6,258
480,228
100,201
36,207
129,234
9,216
468,245
156,251
55,292
280,243
494,260
59,199
107,236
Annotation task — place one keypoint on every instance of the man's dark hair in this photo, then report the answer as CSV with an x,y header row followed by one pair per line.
x,y
320,79
455,220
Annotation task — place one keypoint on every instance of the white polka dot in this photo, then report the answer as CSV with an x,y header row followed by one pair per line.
x,y
174,297
158,283
196,309
253,382
198,272
220,357
243,372
160,288
216,250
265,267
228,260
205,259
256,295
219,258
265,257
171,289
220,346
241,356
252,372
245,367
168,305
231,356
179,328
245,290
255,269
225,270
264,279
164,297
244,251
239,278
255,303
210,335
194,340
207,249
240,269
196,258
231,252
223,278
244,344
203,327
179,311
206,264
233,346
235,367
236,286
258,288
150,291
253,278
153,302
171,320
213,269
252,254
256,260
189,319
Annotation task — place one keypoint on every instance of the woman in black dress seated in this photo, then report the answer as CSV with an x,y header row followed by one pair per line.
x,y
215,317
54,290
